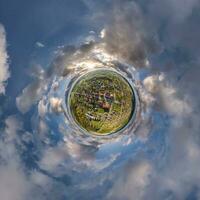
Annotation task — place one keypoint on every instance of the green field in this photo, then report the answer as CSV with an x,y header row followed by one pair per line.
x,y
102,102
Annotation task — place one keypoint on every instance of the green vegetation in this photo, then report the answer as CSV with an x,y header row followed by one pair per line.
x,y
102,102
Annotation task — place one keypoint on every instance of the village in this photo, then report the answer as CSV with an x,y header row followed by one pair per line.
x,y
98,101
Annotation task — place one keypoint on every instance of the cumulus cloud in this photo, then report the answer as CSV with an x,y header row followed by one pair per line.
x,y
11,170
56,104
52,158
13,183
132,35
128,34
178,178
180,174
30,95
132,181
175,91
42,107
62,65
4,67
151,83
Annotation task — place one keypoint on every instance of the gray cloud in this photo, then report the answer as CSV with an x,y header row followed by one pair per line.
x,y
176,25
132,181
129,34
179,175
133,35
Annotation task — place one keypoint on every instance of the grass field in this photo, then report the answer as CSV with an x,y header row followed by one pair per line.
x,y
102,102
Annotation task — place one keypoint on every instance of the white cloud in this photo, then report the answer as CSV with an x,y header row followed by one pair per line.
x,y
180,174
53,157
56,104
129,35
4,67
128,38
13,181
39,45
132,182
42,107
30,95
151,83
170,102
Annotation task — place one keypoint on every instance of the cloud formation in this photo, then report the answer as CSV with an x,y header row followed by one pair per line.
x,y
11,169
128,34
4,66
159,38
132,181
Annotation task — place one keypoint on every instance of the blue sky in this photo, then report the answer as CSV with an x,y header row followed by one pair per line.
x,y
45,45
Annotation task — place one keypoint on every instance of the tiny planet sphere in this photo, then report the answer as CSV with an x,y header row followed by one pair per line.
x,y
102,102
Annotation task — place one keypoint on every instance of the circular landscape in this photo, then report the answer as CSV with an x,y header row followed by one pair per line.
x,y
102,102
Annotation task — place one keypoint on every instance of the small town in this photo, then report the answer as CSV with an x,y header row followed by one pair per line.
x,y
100,103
